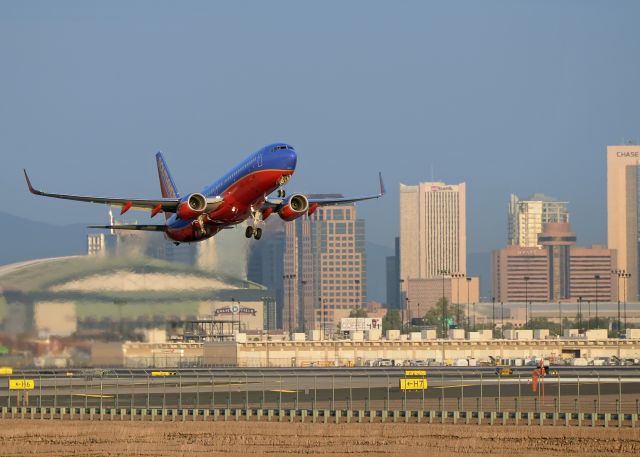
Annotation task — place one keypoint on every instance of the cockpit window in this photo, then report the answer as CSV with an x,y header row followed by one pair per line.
x,y
282,146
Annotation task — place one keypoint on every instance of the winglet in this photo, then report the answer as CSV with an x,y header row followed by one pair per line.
x,y
31,189
382,188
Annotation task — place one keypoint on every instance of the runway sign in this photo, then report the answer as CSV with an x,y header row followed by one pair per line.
x,y
21,384
163,373
415,372
413,384
6,370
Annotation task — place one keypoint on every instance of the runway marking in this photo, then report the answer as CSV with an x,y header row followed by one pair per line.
x,y
453,386
93,395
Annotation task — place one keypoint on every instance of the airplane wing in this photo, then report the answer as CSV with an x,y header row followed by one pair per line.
x,y
276,203
144,227
168,205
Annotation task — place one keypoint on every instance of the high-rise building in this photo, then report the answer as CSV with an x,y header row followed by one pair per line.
x,y
622,211
324,268
556,272
526,217
433,231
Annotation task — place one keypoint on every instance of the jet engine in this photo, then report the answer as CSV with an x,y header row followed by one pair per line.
x,y
191,206
294,207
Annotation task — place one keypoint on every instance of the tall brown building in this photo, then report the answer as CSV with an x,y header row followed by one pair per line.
x,y
324,268
622,211
558,271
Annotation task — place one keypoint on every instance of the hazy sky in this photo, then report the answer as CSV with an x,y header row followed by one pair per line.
x,y
509,96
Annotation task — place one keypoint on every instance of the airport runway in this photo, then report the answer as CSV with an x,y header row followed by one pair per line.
x,y
585,389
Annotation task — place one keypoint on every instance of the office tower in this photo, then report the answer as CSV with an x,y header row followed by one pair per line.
x,y
622,211
324,268
527,216
433,232
520,274
559,271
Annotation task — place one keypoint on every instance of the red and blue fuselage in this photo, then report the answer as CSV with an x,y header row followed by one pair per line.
x,y
243,191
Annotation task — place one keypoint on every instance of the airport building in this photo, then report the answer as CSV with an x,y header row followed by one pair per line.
x,y
526,218
622,211
324,268
557,271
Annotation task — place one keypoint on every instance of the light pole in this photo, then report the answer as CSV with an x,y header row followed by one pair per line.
x,y
474,316
402,306
402,326
502,319
267,301
526,300
444,305
322,300
468,305
458,276
579,316
233,322
304,311
493,315
290,278
619,274
597,278
560,315
625,276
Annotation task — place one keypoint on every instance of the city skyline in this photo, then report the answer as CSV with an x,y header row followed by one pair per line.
x,y
207,85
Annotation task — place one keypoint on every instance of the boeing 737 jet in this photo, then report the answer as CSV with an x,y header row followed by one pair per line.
x,y
242,193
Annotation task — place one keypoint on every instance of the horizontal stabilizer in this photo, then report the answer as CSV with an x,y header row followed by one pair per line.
x,y
144,227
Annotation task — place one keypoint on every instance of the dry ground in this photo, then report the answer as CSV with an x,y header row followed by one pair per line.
x,y
56,438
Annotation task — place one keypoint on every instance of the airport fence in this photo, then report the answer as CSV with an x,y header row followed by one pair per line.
x,y
378,390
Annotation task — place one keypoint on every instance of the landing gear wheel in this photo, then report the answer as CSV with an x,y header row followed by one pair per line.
x,y
257,233
249,232
282,193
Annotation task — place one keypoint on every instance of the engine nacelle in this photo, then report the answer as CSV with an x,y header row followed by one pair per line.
x,y
296,205
191,206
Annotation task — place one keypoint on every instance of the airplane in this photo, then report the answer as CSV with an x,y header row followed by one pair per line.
x,y
240,194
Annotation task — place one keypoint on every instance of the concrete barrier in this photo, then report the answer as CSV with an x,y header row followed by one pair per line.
x,y
566,419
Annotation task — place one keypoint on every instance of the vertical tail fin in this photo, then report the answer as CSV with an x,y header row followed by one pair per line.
x,y
167,186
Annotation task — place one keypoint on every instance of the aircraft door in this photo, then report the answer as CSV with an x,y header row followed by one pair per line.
x,y
260,160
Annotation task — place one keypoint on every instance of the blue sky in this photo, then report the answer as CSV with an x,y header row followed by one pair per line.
x,y
508,96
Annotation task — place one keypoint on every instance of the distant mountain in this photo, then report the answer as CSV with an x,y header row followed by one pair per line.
x,y
377,271
24,239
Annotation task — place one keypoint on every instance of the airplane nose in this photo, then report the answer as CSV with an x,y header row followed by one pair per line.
x,y
291,159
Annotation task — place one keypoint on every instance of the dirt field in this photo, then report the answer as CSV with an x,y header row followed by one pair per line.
x,y
55,438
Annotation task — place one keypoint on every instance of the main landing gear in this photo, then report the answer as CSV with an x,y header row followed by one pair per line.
x,y
255,232
282,193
